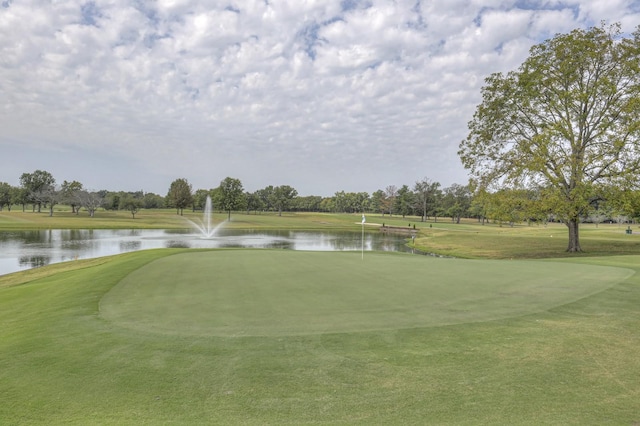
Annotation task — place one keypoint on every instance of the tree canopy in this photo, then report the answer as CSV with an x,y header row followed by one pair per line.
x,y
179,195
36,185
230,195
566,123
281,196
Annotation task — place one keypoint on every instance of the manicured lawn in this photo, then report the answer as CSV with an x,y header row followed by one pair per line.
x,y
231,293
274,337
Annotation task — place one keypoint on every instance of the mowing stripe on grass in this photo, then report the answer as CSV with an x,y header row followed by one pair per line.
x,y
278,293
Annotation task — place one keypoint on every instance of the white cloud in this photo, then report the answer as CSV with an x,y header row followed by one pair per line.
x,y
321,95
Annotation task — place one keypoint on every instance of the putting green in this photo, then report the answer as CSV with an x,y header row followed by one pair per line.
x,y
278,292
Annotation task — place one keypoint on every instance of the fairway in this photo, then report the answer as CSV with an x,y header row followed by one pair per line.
x,y
229,293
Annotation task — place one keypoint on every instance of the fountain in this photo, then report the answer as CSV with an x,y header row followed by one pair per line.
x,y
206,228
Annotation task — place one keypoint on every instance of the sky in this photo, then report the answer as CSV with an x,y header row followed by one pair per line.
x,y
321,95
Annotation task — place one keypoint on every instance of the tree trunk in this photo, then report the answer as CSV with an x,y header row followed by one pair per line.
x,y
574,239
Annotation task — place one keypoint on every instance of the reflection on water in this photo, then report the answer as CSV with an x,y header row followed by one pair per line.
x,y
130,246
33,261
28,249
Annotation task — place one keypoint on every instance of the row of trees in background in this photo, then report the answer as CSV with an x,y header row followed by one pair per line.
x,y
39,190
425,199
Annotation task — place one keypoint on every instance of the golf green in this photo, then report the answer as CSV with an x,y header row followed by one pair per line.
x,y
278,293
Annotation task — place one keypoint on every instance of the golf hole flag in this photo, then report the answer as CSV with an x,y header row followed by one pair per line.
x,y
363,219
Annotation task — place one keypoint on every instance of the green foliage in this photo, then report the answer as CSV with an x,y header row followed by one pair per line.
x,y
456,201
179,195
230,195
427,195
200,198
153,201
132,205
405,201
5,195
565,123
309,203
69,193
281,197
377,202
350,202
35,185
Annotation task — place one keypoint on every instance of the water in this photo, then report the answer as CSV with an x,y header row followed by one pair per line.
x,y
21,250
204,226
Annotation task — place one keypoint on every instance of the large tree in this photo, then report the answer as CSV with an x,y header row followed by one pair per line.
x,y
566,123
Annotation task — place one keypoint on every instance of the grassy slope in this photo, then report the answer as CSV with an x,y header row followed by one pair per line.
x,y
62,363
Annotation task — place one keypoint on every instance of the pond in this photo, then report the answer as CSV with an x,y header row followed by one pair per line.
x,y
21,250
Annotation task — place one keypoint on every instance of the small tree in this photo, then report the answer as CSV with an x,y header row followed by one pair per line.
x,y
200,199
179,195
378,201
132,204
5,195
69,194
230,195
254,202
282,196
405,201
390,192
425,196
90,201
456,201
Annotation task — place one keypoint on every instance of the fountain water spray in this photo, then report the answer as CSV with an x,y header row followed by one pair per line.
x,y
206,228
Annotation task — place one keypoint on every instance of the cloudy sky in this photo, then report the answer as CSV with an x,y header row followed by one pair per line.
x,y
322,95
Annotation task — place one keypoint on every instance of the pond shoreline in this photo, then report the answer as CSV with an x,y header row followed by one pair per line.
x,y
22,250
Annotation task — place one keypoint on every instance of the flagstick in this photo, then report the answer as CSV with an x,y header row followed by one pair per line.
x,y
363,219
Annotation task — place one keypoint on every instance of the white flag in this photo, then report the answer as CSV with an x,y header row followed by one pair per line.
x,y
363,219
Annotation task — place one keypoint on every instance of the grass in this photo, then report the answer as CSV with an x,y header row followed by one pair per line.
x,y
270,293
177,336
169,219
74,354
472,240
